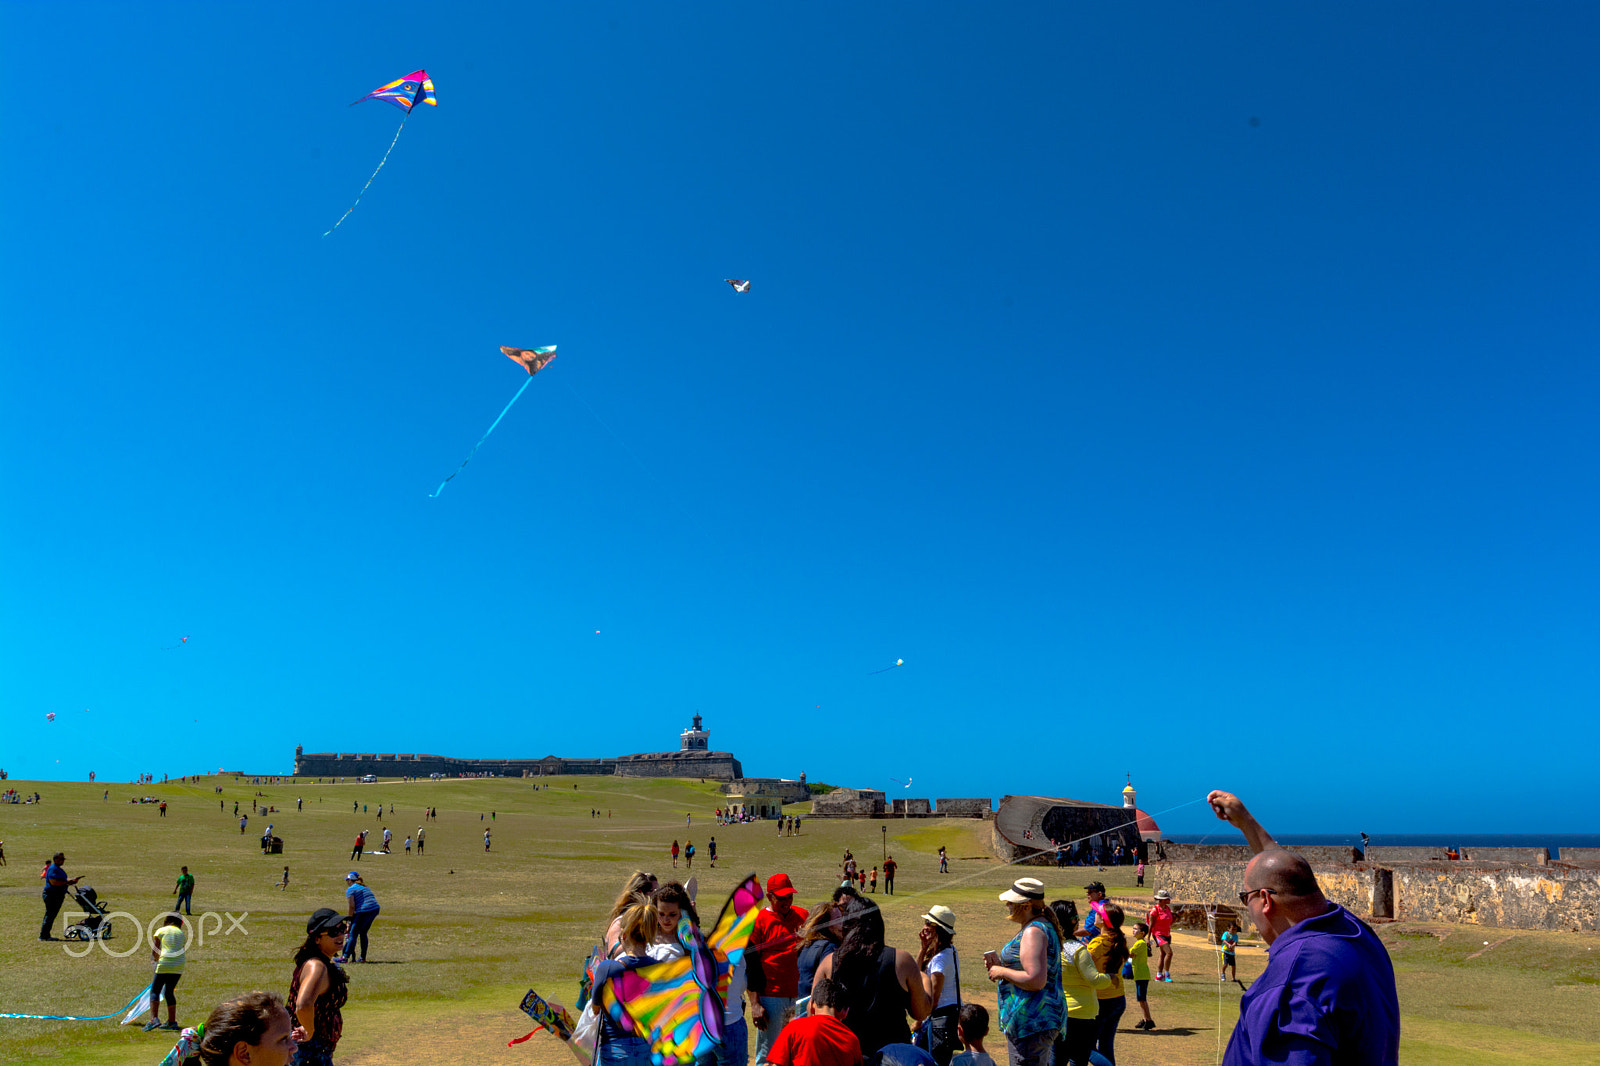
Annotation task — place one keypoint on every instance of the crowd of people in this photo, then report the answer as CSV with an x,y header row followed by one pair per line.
x,y
822,987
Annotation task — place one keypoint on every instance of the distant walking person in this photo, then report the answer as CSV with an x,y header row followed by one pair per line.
x,y
244,820
184,890
711,851
688,855
419,840
674,854
361,842
285,882
889,867
944,860
363,912
485,840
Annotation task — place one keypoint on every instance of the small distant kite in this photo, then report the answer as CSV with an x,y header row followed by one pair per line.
x,y
738,286
886,669
50,717
532,360
402,93
174,647
903,784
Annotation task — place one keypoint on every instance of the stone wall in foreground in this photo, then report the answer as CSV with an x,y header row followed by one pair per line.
x,y
1555,897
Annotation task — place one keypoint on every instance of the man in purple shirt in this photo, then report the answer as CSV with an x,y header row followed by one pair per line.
x,y
1327,997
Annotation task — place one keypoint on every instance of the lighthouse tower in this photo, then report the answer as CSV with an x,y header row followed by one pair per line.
x,y
696,739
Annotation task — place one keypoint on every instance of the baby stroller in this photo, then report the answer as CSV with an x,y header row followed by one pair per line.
x,y
96,923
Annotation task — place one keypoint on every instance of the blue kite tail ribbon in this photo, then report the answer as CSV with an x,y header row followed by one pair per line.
x,y
434,494
70,1018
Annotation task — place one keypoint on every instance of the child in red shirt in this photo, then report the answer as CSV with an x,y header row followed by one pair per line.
x,y
820,1038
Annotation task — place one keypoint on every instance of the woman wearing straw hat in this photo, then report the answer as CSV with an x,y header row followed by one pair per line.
x,y
941,977
1028,972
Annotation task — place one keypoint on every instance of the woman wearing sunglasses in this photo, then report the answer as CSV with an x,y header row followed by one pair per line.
x,y
319,989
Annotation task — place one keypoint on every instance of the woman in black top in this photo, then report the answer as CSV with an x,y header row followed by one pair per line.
x,y
319,989
880,984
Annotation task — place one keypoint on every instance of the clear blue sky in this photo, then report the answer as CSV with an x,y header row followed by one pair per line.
x,y
1208,393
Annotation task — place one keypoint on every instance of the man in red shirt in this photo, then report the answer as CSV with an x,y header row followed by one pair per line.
x,y
774,950
819,1039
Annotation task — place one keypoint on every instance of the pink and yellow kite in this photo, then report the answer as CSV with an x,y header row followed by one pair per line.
x,y
404,94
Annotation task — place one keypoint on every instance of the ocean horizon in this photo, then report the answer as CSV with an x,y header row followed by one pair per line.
x,y
1554,841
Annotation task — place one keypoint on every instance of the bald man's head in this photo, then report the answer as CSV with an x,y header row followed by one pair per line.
x,y
1280,890
1287,874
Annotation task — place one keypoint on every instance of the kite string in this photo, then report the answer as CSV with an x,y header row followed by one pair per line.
x,y
71,1018
481,439
942,885
368,185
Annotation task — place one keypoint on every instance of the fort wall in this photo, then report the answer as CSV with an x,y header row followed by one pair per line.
x,y
1553,897
717,765
849,803
693,759
964,808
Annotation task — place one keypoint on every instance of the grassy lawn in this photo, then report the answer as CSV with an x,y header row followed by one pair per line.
x,y
464,933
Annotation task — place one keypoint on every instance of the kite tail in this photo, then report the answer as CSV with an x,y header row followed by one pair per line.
x,y
368,185
481,439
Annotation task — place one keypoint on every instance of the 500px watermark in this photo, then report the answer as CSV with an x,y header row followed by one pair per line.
x,y
194,926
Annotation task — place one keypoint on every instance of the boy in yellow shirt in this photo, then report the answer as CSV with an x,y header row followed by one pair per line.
x,y
1139,960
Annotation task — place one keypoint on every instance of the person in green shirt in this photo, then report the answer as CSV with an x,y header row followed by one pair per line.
x,y
184,889
1229,943
1139,960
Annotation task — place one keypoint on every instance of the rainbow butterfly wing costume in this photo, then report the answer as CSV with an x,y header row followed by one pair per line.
x,y
677,1005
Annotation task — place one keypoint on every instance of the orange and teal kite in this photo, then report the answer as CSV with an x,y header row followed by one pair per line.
x,y
532,360
402,93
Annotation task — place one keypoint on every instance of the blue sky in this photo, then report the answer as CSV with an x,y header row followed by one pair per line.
x,y
1206,394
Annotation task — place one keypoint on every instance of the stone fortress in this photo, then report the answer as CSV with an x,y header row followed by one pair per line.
x,y
694,758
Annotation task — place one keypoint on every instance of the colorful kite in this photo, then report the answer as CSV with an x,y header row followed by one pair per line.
x,y
548,1015
50,717
532,360
677,1005
402,93
886,669
738,286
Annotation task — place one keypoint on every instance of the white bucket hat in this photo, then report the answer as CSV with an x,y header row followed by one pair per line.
x,y
1023,890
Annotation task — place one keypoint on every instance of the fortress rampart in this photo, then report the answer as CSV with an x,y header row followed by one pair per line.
x,y
1556,896
693,759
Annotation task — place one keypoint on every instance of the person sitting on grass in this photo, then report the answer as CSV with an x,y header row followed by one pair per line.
x,y
972,1025
820,1038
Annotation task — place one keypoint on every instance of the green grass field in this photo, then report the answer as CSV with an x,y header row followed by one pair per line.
x,y
464,934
